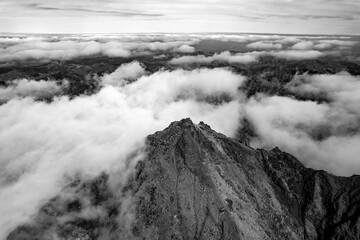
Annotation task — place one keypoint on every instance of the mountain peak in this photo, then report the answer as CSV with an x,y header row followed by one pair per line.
x,y
185,122
195,183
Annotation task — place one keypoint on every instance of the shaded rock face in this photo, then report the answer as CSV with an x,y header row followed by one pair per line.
x,y
195,183
83,210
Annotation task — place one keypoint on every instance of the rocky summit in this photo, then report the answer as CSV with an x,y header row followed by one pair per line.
x,y
195,183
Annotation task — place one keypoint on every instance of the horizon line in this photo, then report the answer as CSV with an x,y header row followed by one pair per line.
x,y
182,33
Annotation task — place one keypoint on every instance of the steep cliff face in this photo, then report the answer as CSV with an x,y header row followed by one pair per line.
x,y
327,206
195,183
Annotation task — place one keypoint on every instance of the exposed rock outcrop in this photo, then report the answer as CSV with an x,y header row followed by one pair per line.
x,y
195,183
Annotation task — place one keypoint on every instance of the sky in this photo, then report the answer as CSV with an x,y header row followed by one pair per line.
x,y
140,16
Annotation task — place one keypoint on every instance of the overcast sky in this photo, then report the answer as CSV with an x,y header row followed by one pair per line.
x,y
125,16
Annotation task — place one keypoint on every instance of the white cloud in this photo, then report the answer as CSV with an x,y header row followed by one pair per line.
x,y
288,39
222,57
342,88
29,88
69,47
298,54
322,46
304,45
51,47
264,45
185,49
63,50
339,42
293,124
247,57
123,74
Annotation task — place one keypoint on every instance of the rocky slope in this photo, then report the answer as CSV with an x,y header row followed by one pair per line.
x,y
195,183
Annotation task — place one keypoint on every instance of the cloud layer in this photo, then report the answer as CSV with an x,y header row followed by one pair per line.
x,y
226,57
24,48
264,45
244,58
27,48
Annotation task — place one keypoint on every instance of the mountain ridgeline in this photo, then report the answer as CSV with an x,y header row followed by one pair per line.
x,y
195,183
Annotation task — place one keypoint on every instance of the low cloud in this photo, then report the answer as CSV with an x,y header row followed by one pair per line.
x,y
221,57
247,57
22,88
298,55
339,42
43,144
323,46
288,40
342,88
69,47
185,49
124,74
62,50
22,48
264,45
304,45
322,135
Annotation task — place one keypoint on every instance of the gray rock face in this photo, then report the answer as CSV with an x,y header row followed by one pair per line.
x,y
198,184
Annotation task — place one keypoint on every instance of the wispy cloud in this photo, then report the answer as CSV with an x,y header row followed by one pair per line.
x,y
94,11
